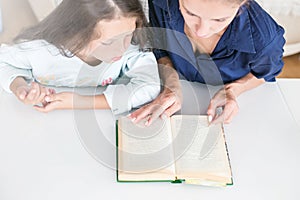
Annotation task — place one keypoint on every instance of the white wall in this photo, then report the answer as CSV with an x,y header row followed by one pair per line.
x,y
16,15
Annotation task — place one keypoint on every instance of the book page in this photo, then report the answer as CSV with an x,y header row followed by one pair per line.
x,y
200,152
145,153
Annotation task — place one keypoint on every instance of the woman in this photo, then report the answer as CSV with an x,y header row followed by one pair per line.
x,y
230,42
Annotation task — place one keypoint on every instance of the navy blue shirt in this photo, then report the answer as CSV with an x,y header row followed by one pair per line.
x,y
252,43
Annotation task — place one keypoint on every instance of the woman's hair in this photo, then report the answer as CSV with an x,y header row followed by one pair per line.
x,y
71,26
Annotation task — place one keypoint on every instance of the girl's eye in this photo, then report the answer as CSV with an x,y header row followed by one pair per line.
x,y
106,43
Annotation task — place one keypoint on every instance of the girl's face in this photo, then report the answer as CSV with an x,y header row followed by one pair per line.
x,y
114,39
206,18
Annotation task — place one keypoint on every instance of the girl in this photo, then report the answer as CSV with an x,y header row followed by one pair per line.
x,y
83,43
230,42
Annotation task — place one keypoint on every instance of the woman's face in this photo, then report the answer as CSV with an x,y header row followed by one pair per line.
x,y
206,18
113,40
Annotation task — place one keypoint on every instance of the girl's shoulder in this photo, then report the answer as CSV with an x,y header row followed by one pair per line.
x,y
134,52
135,56
31,46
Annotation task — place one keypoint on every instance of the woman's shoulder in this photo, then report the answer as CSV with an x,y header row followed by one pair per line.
x,y
262,24
260,27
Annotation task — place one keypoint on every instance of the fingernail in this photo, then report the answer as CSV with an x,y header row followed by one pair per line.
x,y
209,118
129,115
33,91
133,119
147,123
164,116
47,99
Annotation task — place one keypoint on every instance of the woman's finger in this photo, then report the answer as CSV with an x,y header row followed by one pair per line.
x,y
156,113
141,113
172,109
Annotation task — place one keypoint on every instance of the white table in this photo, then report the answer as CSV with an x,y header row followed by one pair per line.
x,y
63,155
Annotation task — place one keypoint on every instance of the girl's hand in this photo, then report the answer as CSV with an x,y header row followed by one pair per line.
x,y
60,101
32,94
166,104
223,107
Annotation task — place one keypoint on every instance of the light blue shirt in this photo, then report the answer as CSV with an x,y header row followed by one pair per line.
x,y
131,81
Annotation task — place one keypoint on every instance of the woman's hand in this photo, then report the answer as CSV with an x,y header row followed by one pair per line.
x,y
168,101
223,106
226,98
166,104
32,94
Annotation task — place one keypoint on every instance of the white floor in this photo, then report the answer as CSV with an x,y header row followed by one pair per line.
x,y
16,15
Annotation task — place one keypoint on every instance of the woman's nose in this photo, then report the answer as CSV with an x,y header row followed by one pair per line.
x,y
202,29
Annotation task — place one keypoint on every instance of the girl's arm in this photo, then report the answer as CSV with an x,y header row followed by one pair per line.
x,y
70,100
138,85
13,63
16,73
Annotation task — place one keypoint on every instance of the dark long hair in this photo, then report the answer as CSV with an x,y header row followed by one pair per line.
x,y
70,27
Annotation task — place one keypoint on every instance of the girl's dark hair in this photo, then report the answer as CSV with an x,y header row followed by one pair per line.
x,y
71,26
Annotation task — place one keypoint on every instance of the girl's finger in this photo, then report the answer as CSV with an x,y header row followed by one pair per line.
x,y
42,94
49,107
22,94
31,95
52,97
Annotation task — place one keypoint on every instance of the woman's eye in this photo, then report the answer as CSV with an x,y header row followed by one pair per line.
x,y
189,13
219,20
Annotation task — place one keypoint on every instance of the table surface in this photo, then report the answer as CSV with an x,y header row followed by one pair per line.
x,y
71,154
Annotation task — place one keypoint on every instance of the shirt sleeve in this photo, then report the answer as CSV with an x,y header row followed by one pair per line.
x,y
13,63
268,62
159,33
138,84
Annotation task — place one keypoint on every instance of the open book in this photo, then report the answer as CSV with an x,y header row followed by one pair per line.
x,y
180,148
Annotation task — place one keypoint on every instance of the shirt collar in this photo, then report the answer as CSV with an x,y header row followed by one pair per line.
x,y
240,33
163,4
